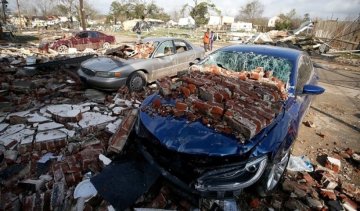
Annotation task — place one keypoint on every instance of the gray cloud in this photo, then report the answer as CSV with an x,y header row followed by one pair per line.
x,y
316,8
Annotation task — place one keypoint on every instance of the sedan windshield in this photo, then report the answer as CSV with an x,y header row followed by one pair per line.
x,y
248,61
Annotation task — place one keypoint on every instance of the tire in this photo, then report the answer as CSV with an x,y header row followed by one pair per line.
x,y
274,174
62,49
136,81
106,45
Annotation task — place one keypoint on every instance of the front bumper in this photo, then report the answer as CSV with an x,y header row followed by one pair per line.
x,y
202,176
101,83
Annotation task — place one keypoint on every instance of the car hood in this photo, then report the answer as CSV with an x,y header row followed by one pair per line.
x,y
99,64
194,138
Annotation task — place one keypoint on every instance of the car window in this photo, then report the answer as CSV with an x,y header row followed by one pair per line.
x,y
82,35
248,61
93,35
181,46
304,73
165,48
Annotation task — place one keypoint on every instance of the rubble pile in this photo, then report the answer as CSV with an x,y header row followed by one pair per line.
x,y
296,41
54,134
326,188
239,103
57,142
139,51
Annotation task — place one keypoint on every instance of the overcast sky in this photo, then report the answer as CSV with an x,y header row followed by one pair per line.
x,y
316,8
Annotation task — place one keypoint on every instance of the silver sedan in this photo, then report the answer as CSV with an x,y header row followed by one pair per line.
x,y
170,56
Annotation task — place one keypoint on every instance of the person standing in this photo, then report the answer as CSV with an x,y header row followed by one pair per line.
x,y
212,39
206,39
139,26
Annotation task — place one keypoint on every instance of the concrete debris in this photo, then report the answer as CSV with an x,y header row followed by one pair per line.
x,y
104,159
49,126
65,113
111,127
91,119
333,164
309,124
356,157
3,126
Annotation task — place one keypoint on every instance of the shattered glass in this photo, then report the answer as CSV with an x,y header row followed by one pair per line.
x,y
238,61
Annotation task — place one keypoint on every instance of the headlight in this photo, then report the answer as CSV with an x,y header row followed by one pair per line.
x,y
232,178
108,74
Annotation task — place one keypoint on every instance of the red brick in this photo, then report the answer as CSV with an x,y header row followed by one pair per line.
x,y
156,103
201,107
192,88
185,91
255,203
328,194
178,113
180,106
255,76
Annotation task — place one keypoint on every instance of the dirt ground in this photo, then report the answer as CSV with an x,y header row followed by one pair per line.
x,y
335,114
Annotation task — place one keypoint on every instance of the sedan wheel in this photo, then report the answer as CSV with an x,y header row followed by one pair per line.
x,y
62,49
277,171
273,174
106,45
137,81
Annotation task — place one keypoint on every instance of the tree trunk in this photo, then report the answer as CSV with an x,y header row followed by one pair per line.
x,y
19,14
83,24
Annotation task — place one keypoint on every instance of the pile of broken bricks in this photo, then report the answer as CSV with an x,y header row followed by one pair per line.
x,y
53,133
238,103
139,51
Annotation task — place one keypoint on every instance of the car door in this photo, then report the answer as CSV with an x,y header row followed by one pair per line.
x,y
184,54
80,40
94,40
163,60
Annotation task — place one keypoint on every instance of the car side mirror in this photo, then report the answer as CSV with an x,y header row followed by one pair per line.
x,y
193,62
312,90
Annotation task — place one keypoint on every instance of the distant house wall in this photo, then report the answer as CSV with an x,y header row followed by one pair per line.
x,y
241,26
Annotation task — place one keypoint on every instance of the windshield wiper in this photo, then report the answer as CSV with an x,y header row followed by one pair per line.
x,y
220,65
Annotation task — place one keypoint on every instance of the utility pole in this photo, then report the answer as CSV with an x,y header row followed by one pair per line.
x,y
82,15
4,6
19,14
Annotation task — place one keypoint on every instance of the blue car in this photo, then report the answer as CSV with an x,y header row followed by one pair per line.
x,y
203,161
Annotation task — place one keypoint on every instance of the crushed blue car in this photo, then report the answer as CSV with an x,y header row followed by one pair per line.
x,y
222,156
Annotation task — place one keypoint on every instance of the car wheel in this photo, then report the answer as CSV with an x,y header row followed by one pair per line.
x,y
106,45
137,81
62,49
274,174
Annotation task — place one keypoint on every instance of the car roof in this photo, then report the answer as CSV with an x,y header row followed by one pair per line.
x,y
286,53
158,39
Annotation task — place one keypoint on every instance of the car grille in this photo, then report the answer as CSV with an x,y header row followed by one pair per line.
x,y
88,71
186,167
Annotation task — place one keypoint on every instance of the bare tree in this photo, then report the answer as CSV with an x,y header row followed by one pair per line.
x,y
251,11
82,14
45,6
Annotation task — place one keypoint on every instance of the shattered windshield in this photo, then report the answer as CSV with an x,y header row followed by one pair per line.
x,y
240,61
